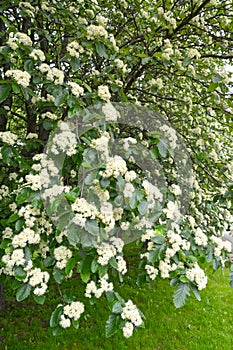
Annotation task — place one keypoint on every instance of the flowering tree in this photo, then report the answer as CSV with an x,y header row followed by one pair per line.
x,y
116,126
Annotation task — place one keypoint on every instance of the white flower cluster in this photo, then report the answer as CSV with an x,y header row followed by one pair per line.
x,y
28,8
156,82
101,144
196,274
4,191
128,190
121,65
200,237
115,166
171,135
53,74
172,211
101,193
127,141
191,53
30,215
76,89
34,181
31,136
92,288
8,137
95,32
37,54
83,207
220,245
152,193
110,112
19,38
130,176
132,316
26,236
103,93
71,311
152,271
62,254
11,260
21,77
65,141
107,251
39,279
49,115
74,49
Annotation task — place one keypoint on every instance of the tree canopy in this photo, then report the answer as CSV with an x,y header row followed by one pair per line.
x,y
85,60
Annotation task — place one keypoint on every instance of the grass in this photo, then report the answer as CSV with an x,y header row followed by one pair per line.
x,y
205,325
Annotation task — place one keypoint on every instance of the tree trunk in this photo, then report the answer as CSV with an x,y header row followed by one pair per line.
x,y
2,298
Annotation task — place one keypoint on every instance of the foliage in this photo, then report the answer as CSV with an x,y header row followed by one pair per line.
x,y
69,74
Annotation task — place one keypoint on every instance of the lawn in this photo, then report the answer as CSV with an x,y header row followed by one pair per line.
x,y
205,325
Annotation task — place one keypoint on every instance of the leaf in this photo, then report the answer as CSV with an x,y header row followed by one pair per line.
x,y
100,48
196,292
142,208
19,273
90,177
159,239
4,92
58,274
75,324
180,294
112,325
55,317
70,265
92,227
22,196
141,279
117,308
14,217
163,148
216,78
23,292
94,266
39,299
7,153
113,263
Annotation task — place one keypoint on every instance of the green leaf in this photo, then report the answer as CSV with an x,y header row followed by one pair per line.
x,y
55,317
196,292
70,265
142,208
163,148
23,292
117,308
58,274
216,78
22,196
112,325
7,153
75,324
90,177
159,239
100,48
4,92
92,227
13,218
94,266
113,263
39,299
180,294
19,273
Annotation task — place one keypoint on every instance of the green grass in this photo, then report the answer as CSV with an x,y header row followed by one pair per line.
x,y
205,325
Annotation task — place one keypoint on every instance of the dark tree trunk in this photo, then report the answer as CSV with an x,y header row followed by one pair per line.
x,y
2,298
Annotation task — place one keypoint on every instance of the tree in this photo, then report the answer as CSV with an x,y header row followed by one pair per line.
x,y
70,209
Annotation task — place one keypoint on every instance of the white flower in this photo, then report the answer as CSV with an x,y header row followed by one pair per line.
x,y
76,89
21,77
128,190
110,112
152,271
8,137
64,322
37,54
130,312
103,93
128,329
94,32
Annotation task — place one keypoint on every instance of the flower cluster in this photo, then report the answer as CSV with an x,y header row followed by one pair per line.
x,y
104,286
131,315
76,89
71,311
21,77
37,54
74,49
103,93
39,279
53,74
62,254
8,137
95,32
19,38
196,274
